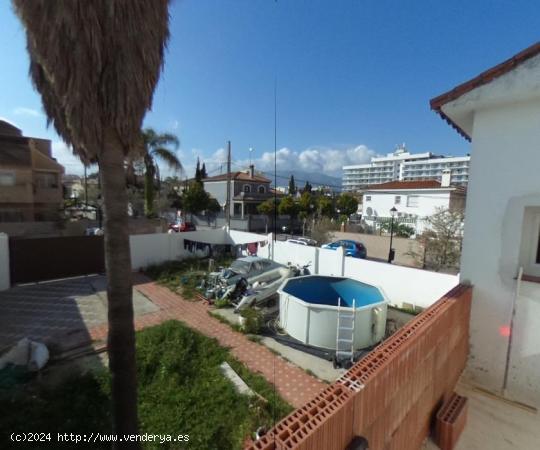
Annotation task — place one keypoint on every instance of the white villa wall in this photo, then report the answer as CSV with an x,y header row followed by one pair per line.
x,y
242,237
331,262
286,252
4,262
148,249
400,284
504,180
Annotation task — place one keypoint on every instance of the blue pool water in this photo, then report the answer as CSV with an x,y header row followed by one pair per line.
x,y
321,290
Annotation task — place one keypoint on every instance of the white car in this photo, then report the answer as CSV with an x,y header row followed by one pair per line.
x,y
297,241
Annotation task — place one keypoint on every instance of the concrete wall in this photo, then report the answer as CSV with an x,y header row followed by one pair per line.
x,y
156,248
4,262
402,285
501,187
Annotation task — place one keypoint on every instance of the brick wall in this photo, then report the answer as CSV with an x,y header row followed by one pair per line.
x,y
391,396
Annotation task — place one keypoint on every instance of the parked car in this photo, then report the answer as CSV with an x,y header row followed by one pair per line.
x,y
93,231
297,241
352,248
181,227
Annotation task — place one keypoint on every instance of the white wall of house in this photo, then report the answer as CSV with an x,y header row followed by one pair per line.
x,y
4,262
504,181
418,202
218,190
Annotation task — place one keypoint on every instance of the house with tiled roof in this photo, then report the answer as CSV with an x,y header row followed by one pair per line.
x,y
499,112
414,201
30,178
248,190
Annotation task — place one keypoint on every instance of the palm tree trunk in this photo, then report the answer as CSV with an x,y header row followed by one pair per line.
x,y
149,175
121,338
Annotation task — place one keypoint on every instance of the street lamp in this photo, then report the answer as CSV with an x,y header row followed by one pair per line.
x,y
391,252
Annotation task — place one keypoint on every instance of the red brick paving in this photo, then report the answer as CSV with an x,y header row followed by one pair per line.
x,y
292,383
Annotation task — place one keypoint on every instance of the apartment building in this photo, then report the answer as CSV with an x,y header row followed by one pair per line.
x,y
30,178
404,166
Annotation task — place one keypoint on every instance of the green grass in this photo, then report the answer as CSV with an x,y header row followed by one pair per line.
x,y
219,317
181,391
183,276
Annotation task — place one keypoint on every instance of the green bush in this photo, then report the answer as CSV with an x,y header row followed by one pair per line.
x,y
254,320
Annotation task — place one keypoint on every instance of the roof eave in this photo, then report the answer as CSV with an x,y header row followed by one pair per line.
x,y
483,78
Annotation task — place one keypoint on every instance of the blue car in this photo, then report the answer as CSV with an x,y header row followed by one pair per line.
x,y
352,248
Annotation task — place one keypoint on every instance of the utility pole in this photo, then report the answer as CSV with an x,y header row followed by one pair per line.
x,y
85,189
228,203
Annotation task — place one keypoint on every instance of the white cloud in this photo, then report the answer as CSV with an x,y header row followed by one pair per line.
x,y
23,111
64,155
328,161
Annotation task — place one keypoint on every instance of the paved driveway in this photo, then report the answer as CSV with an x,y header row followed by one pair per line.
x,y
59,313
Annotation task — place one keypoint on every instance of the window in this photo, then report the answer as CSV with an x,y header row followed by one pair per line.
x,y
7,178
11,215
247,188
368,198
412,201
397,199
46,180
262,189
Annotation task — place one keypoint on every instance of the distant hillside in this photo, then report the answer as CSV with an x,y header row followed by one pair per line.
x,y
300,176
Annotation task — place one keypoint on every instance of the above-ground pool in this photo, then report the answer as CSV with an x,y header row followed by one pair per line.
x,y
309,310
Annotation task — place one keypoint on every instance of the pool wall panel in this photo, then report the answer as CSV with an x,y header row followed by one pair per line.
x,y
316,325
331,262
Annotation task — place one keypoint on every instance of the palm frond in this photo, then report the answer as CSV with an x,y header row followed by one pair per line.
x,y
168,156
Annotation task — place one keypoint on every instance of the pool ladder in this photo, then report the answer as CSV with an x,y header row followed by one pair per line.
x,y
345,335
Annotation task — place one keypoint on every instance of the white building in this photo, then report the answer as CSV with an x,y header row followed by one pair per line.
x,y
499,111
405,166
414,201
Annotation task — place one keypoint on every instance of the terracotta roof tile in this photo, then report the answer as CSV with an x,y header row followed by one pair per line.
x,y
421,184
240,176
484,78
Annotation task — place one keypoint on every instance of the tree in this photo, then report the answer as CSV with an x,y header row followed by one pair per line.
x,y
308,187
400,229
96,65
198,175
441,240
203,171
213,206
288,207
306,204
325,206
267,207
195,199
292,186
347,204
175,200
157,146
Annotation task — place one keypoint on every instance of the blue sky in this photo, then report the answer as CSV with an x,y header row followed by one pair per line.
x,y
354,76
